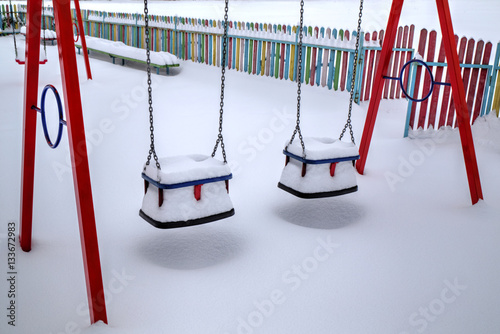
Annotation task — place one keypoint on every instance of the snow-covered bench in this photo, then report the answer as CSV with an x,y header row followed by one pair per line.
x,y
48,35
124,52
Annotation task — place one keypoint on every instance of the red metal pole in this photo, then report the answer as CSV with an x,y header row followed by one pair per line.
x,y
458,91
378,82
31,71
79,160
82,37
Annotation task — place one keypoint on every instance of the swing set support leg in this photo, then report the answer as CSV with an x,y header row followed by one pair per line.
x,y
457,88
31,74
77,144
82,38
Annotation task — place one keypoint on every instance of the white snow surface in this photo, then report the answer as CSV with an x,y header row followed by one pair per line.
x,y
123,50
407,253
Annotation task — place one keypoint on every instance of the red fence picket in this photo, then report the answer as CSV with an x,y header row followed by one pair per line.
x,y
418,73
431,49
475,58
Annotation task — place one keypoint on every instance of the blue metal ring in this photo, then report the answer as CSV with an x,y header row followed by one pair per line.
x,y
44,122
428,71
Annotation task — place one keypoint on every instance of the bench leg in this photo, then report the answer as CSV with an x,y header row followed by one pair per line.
x,y
168,72
123,62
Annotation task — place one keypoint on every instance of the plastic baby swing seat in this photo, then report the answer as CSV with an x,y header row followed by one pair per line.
x,y
326,170
188,190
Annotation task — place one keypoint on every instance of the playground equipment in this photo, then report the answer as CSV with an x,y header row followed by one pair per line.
x,y
42,112
19,60
77,144
456,84
77,37
321,167
428,70
81,33
189,190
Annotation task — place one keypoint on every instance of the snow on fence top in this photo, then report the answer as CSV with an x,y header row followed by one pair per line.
x,y
271,50
280,33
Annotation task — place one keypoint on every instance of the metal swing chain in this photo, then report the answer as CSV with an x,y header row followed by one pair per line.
x,y
13,29
44,27
152,151
220,139
348,123
299,82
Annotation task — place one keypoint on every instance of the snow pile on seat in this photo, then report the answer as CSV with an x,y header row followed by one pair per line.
x,y
122,50
180,204
323,148
185,168
317,178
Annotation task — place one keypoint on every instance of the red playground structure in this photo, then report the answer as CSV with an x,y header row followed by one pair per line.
x,y
450,46
77,143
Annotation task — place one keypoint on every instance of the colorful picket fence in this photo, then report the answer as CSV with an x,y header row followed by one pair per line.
x,y
439,109
8,12
272,50
403,52
256,48
495,82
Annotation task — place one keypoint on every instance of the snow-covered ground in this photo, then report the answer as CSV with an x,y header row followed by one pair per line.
x,y
407,253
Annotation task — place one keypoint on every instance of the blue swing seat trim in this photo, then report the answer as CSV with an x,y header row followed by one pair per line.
x,y
186,184
318,162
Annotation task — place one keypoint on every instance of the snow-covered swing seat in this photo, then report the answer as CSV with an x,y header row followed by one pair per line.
x,y
186,190
326,170
21,55
320,167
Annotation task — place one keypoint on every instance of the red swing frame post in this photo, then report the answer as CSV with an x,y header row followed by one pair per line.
x,y
77,143
81,32
457,89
